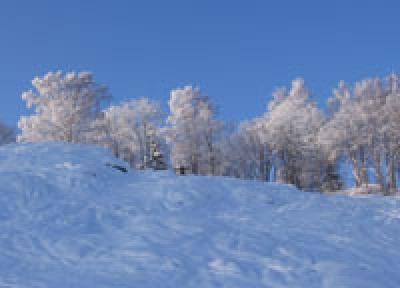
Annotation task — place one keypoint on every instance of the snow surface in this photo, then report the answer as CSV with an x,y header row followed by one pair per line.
x,y
68,220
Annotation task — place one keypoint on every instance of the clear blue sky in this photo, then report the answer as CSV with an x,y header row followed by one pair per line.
x,y
237,51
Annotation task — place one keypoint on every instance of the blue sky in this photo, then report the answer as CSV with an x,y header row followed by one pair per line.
x,y
236,51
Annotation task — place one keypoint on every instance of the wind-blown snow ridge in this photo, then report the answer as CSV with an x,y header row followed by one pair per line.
x,y
68,220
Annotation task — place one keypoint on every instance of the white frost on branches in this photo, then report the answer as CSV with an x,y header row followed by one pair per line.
x,y
131,128
192,131
65,106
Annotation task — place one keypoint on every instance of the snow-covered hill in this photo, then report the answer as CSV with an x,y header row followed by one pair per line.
x,y
69,220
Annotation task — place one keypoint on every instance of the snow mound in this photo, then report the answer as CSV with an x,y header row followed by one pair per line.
x,y
68,219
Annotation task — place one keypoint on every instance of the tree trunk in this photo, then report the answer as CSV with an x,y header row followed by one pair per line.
x,y
392,181
356,169
261,160
195,165
281,169
378,172
364,168
268,168
212,165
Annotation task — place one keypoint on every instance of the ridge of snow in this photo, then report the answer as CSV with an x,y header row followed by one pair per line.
x,y
69,220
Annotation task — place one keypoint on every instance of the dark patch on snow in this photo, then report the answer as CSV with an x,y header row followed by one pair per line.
x,y
118,167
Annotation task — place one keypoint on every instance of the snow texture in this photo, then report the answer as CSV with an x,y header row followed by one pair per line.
x,y
69,220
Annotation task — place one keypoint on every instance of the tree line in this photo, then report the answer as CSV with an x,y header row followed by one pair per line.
x,y
293,141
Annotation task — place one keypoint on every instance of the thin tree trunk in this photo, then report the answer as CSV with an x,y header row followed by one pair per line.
x,y
262,163
268,168
212,165
364,168
195,164
356,169
378,171
392,181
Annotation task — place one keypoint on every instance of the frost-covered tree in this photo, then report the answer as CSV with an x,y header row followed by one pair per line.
x,y
65,107
192,131
362,129
389,124
132,131
280,145
209,130
290,128
244,154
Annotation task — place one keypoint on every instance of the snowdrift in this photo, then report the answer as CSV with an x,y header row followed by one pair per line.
x,y
68,219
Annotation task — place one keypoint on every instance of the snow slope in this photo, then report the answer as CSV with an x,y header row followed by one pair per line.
x,y
68,220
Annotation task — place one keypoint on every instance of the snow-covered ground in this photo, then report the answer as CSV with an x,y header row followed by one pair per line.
x,y
69,220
